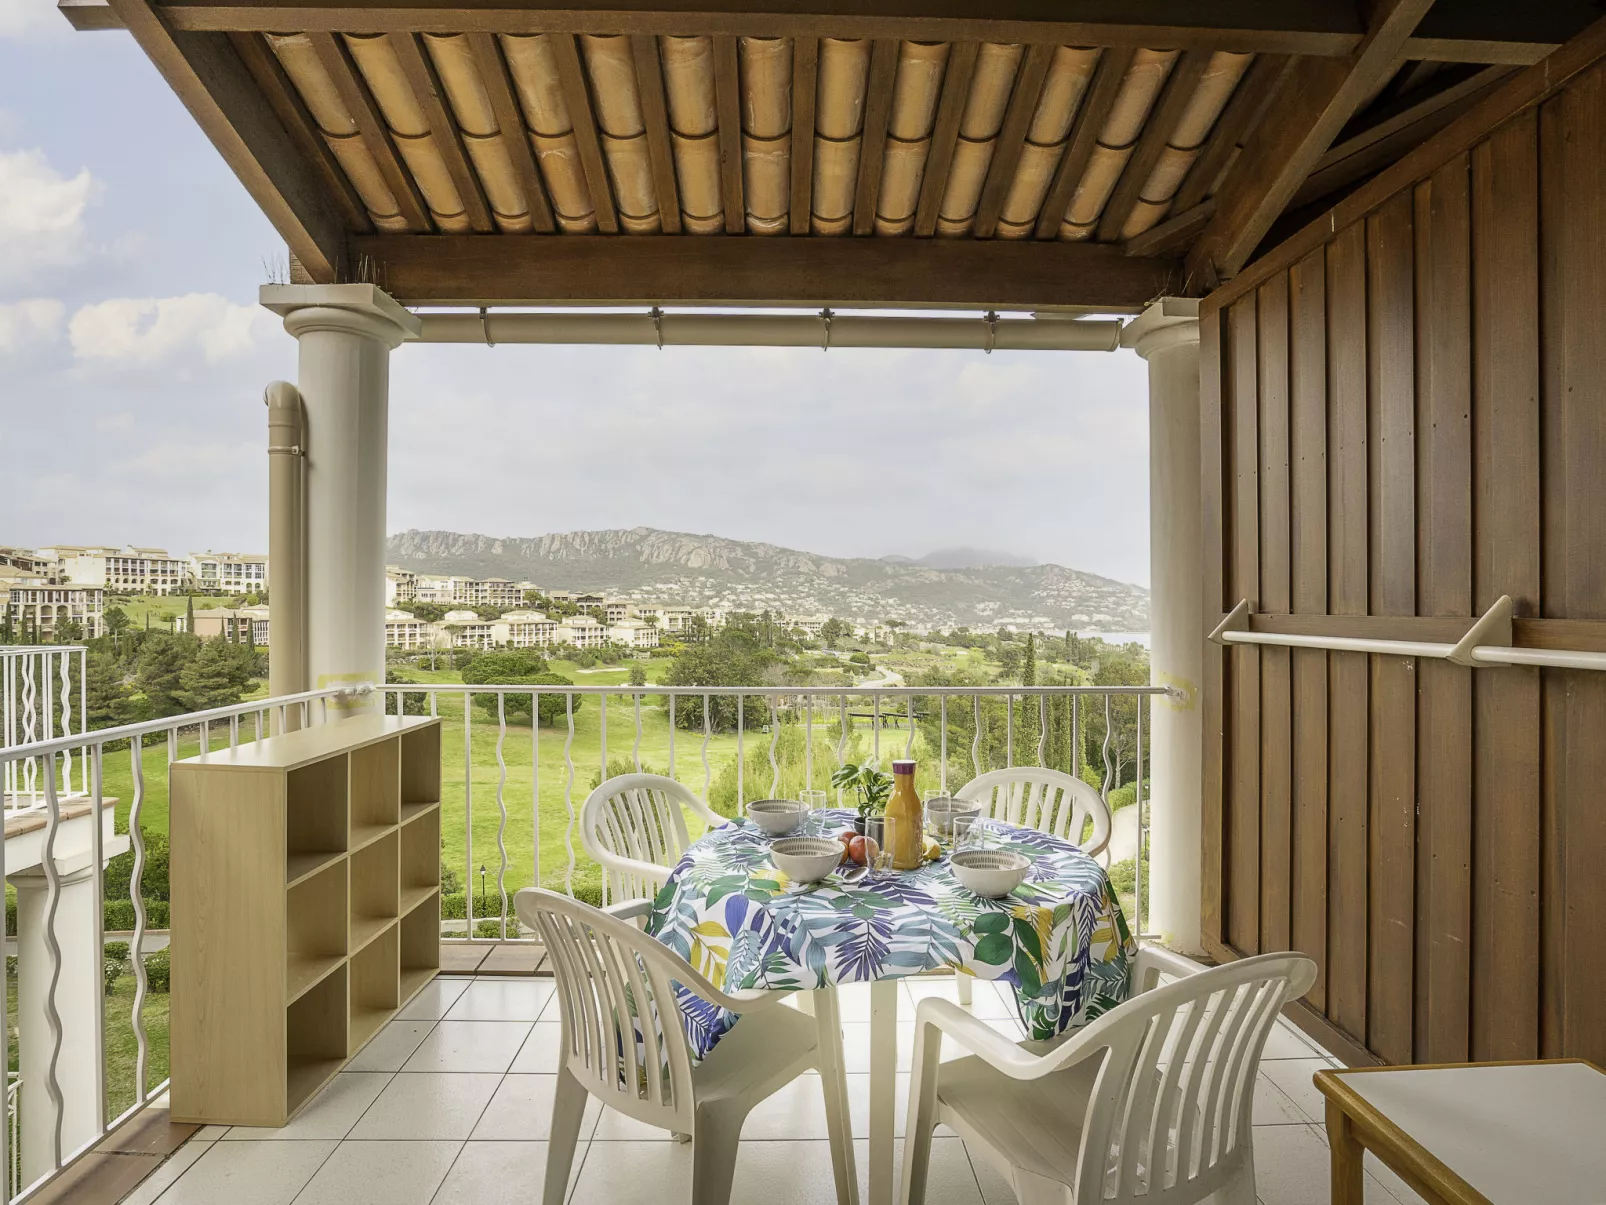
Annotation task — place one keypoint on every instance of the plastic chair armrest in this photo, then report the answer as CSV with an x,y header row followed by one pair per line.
x,y
629,909
1154,961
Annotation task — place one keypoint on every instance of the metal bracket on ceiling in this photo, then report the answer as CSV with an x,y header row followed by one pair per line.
x,y
485,326
658,325
991,318
825,337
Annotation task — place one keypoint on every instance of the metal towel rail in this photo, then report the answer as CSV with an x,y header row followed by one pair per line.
x,y
1487,644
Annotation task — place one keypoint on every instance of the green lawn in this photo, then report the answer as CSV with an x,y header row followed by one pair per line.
x,y
161,608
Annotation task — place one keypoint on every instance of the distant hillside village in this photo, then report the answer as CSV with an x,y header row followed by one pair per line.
x,y
61,590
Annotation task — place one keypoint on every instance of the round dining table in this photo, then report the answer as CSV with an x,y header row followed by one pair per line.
x,y
1059,940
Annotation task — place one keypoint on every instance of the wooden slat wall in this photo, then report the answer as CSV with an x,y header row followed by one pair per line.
x,y
1410,421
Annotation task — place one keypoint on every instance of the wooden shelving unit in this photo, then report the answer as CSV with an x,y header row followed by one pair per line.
x,y
305,885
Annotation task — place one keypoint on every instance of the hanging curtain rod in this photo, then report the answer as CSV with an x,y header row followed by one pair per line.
x,y
1487,644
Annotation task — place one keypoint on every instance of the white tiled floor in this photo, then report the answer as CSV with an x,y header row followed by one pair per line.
x,y
451,1105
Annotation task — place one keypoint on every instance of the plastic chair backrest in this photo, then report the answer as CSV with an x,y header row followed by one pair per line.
x,y
622,1033
1169,1118
640,817
1047,800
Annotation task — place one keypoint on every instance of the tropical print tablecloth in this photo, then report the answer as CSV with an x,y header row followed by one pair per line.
x,y
1060,939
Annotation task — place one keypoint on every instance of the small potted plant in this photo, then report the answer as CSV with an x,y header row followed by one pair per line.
x,y
870,783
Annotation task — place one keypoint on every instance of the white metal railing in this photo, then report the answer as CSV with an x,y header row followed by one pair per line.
x,y
48,764
41,697
855,712
1488,643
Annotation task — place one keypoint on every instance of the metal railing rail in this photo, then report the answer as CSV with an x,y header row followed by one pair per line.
x,y
796,702
51,762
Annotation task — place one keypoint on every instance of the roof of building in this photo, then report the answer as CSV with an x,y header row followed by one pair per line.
x,y
1012,154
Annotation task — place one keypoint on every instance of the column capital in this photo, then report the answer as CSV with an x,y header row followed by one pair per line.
x,y
359,309
1166,323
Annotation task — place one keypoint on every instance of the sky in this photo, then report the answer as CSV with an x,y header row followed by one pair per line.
x,y
133,357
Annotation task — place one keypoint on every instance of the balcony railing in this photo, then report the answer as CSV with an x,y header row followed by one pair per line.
x,y
518,761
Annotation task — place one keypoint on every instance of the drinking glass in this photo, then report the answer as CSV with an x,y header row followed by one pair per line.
x,y
875,829
816,802
968,832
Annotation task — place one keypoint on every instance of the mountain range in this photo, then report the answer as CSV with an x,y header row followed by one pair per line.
x,y
705,570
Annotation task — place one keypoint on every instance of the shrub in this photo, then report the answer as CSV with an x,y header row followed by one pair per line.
x,y
117,950
451,881
1127,795
152,880
117,916
491,928
158,971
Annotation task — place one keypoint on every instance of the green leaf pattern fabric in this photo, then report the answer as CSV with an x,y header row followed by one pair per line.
x,y
1060,939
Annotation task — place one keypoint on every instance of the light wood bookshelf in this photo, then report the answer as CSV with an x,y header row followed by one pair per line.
x,y
305,878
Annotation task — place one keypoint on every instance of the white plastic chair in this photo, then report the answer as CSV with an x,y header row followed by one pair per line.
x,y
1149,1103
624,1043
635,827
1047,800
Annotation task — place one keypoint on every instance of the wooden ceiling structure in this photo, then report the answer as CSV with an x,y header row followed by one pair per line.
x,y
1014,154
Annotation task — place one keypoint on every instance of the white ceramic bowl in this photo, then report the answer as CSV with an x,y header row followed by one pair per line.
x,y
807,859
777,816
991,873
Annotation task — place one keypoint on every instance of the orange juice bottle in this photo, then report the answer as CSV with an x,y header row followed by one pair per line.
x,y
906,829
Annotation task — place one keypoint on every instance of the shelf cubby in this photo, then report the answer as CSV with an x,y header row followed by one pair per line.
x,y
315,932
315,1039
420,937
375,987
375,889
305,909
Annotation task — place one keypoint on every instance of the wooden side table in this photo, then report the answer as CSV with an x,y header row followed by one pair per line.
x,y
1526,1133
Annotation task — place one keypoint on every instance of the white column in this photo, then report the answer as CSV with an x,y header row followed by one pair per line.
x,y
76,993
346,334
1167,336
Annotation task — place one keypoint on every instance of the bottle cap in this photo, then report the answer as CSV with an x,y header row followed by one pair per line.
x,y
903,767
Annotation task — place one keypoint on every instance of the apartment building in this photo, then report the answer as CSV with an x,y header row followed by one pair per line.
x,y
582,631
671,619
528,629
633,634
405,631
25,559
470,591
466,630
228,572
242,625
401,586
132,569
35,605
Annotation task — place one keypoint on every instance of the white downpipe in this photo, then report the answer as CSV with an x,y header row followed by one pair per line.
x,y
287,600
824,330
346,334
1167,336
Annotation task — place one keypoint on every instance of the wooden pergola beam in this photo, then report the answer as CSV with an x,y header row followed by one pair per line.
x,y
873,143
945,135
577,98
805,72
655,117
728,114
430,94
1286,146
1090,118
1485,32
1012,139
1168,109
510,120
207,74
666,270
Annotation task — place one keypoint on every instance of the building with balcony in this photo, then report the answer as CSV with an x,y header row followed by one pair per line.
x,y
528,629
401,586
130,570
633,634
241,625
405,631
582,631
228,573
38,607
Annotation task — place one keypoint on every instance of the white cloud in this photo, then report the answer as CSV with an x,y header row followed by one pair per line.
x,y
26,18
146,330
41,213
25,324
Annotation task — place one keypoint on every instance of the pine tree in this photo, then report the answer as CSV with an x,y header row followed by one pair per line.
x,y
209,679
105,692
161,664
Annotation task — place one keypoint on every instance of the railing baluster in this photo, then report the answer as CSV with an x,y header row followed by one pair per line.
x,y
53,948
501,805
66,719
468,815
535,788
775,736
234,732
1042,730
672,772
1009,731
635,750
942,736
808,743
741,757
136,892
975,739
708,731
602,703
909,745
568,793
97,862
841,738
875,724
1109,764
1137,857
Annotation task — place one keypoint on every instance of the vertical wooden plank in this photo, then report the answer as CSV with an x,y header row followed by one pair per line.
x,y
1307,444
1276,768
1553,119
728,106
1583,394
805,71
1348,685
1444,587
1243,798
873,143
1213,846
1391,449
1505,424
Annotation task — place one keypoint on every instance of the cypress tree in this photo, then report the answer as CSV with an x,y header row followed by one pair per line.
x,y
189,614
